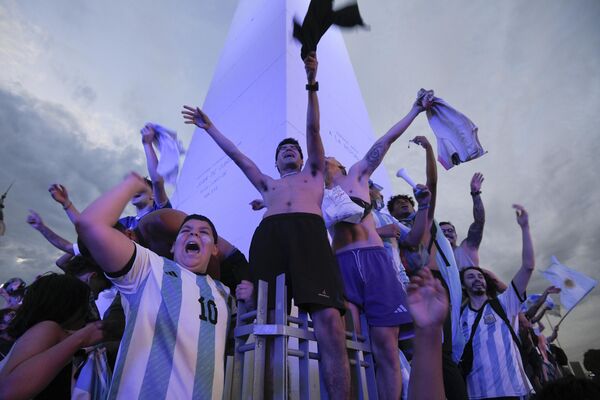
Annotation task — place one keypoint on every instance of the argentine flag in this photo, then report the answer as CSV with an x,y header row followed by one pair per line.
x,y
573,284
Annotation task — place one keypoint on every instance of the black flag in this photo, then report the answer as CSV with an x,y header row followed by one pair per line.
x,y
319,17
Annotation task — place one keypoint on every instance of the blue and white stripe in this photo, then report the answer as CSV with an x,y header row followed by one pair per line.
x,y
167,350
497,367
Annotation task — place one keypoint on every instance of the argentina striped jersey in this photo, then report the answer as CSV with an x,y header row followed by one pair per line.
x,y
176,327
497,367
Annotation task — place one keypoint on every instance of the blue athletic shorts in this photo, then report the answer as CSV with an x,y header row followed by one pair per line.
x,y
371,283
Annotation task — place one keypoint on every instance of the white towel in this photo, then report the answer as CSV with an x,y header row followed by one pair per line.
x,y
456,135
170,149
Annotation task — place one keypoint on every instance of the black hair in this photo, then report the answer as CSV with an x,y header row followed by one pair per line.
x,y
201,218
491,287
447,223
53,297
120,227
149,183
591,360
394,199
289,141
80,265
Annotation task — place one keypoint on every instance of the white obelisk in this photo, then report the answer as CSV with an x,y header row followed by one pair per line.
x,y
257,98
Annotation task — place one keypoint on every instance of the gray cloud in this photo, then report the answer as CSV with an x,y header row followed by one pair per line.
x,y
85,94
41,145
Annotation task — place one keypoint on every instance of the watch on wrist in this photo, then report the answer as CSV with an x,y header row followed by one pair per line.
x,y
312,88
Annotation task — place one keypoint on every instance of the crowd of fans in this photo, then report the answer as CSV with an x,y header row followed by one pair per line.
x,y
152,294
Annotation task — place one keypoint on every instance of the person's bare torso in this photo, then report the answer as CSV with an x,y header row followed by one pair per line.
x,y
300,192
347,236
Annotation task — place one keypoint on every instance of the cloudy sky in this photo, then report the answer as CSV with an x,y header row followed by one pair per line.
x,y
79,79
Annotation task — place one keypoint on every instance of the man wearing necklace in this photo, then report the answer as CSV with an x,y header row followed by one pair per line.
x,y
292,239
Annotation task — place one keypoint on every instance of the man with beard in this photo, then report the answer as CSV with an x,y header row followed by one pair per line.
x,y
491,359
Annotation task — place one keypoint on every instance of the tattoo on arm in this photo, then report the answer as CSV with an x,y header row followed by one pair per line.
x,y
375,155
475,234
478,210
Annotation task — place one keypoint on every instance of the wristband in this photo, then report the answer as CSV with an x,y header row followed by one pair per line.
x,y
423,207
69,204
312,88
476,193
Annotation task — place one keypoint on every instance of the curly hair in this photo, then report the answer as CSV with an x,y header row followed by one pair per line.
x,y
392,201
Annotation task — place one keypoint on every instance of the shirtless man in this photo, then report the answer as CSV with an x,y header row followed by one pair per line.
x,y
368,271
292,238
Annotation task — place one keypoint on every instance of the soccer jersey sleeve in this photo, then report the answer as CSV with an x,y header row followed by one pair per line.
x,y
138,271
511,301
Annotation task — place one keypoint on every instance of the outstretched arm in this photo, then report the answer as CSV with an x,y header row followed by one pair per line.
x,y
532,311
539,316
428,306
473,239
110,248
415,236
431,173
197,117
158,183
375,154
55,240
314,144
61,196
40,354
62,260
554,335
522,276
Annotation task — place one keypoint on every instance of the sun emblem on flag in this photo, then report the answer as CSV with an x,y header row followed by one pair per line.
x,y
569,283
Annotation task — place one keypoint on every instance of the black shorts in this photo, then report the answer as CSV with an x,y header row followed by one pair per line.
x,y
296,244
234,269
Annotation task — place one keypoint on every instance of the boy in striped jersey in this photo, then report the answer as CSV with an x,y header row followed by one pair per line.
x,y
497,369
177,316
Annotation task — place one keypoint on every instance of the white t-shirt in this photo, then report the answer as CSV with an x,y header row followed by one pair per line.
x,y
497,367
176,328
